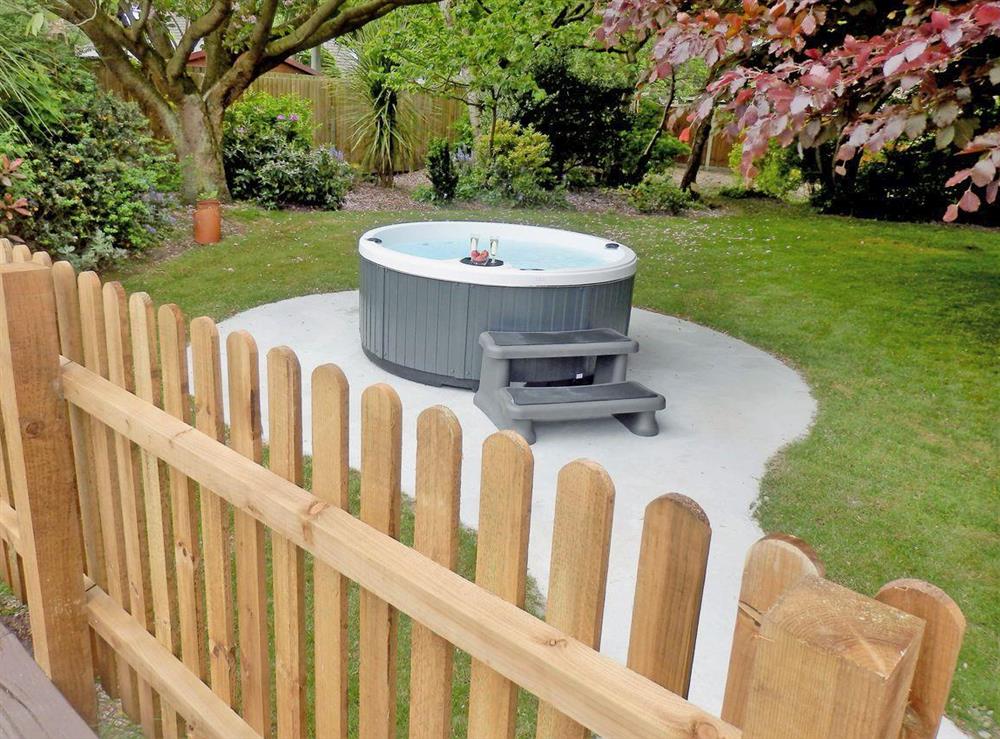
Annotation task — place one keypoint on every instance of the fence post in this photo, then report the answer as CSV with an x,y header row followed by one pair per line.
x,y
831,664
43,481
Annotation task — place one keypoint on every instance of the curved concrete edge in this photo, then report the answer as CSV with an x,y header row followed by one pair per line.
x,y
730,408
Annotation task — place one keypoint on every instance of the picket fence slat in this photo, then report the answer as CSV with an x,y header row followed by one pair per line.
x,y
71,345
330,483
435,535
501,568
578,573
105,477
42,258
245,433
119,348
944,629
215,534
6,251
156,503
284,406
21,253
673,557
184,510
773,565
381,508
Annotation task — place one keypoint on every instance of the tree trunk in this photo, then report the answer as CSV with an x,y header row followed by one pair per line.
x,y
197,136
701,137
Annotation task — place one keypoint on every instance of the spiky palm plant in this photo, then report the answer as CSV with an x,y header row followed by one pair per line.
x,y
385,126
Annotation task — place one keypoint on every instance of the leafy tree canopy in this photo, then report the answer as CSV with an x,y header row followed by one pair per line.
x,y
863,75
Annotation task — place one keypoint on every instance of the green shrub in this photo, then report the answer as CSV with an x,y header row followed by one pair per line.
x,y
666,150
517,170
903,182
268,155
657,193
441,170
99,185
778,172
423,193
312,177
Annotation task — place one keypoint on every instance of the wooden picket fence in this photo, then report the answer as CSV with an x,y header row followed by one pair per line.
x,y
139,523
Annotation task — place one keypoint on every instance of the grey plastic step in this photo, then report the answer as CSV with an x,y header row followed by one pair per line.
x,y
591,342
584,394
580,401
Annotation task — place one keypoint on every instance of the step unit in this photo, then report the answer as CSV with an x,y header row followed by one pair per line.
x,y
517,408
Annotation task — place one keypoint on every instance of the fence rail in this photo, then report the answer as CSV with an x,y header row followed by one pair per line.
x,y
163,591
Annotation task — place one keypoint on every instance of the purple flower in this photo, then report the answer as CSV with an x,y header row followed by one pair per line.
x,y
281,116
293,117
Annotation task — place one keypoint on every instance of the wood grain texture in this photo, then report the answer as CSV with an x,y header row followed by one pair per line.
x,y
42,258
6,251
284,411
156,502
831,664
381,502
207,716
501,568
944,629
216,537
330,483
670,581
435,535
40,459
589,687
119,345
71,346
184,510
102,446
22,254
245,434
773,565
578,573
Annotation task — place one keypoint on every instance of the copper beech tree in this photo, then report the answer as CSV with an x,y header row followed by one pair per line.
x,y
809,72
146,45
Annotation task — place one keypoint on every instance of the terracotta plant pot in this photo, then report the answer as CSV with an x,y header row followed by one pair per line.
x,y
208,222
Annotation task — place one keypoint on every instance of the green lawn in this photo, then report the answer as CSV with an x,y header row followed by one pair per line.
x,y
894,326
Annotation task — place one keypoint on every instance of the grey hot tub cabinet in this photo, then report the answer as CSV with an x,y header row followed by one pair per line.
x,y
428,330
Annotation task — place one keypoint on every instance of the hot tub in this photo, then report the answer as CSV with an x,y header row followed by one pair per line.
x,y
422,309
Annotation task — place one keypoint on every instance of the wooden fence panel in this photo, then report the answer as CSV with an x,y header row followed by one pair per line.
x,y
215,534
943,632
187,551
251,568
773,565
330,483
578,573
501,568
119,347
6,251
284,410
106,479
381,502
670,581
159,539
336,108
22,253
435,535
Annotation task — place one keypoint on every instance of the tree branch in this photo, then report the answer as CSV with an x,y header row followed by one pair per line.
x,y
198,29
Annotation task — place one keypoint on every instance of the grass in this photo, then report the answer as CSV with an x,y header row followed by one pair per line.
x,y
894,326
